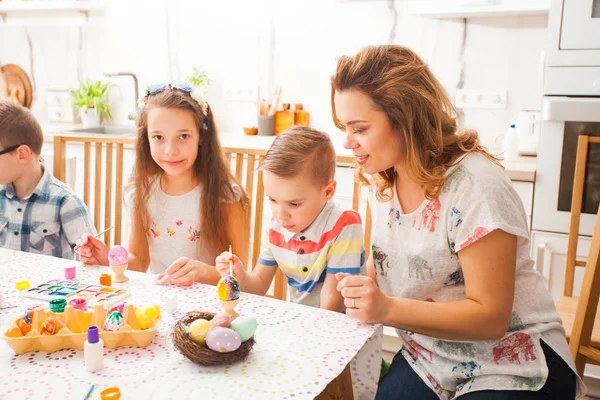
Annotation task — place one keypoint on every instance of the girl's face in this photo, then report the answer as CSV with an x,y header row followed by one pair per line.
x,y
376,145
174,140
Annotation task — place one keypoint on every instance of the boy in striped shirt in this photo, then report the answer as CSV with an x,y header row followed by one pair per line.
x,y
309,238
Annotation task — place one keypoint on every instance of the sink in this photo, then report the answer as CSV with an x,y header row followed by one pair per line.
x,y
107,130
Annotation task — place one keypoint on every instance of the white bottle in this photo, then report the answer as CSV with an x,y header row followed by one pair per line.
x,y
510,146
93,350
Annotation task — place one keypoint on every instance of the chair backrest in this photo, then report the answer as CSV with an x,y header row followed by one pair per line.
x,y
101,198
243,163
576,204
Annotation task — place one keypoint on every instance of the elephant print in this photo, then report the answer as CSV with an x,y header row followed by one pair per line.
x,y
515,323
393,218
460,173
465,370
512,346
417,267
455,219
430,215
479,232
528,383
416,350
455,278
380,259
454,348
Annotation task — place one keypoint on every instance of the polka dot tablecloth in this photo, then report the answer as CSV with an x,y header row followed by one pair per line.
x,y
299,349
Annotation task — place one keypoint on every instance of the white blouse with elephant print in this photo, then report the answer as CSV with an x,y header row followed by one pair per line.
x,y
415,257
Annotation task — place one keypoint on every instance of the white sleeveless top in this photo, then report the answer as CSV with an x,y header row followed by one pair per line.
x,y
415,257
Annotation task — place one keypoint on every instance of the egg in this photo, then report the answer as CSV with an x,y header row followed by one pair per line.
x,y
223,340
52,325
118,307
114,321
221,319
198,330
147,315
245,326
228,288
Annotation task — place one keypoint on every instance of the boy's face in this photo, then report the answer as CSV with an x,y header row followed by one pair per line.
x,y
296,202
11,164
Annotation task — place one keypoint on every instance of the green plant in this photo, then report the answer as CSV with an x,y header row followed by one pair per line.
x,y
198,78
93,94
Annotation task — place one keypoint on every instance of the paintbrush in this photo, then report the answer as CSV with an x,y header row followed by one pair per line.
x,y
96,236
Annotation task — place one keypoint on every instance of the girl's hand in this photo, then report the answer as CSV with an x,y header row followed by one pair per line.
x,y
184,271
91,250
363,298
222,265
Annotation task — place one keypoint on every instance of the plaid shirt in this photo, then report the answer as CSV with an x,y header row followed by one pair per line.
x,y
48,222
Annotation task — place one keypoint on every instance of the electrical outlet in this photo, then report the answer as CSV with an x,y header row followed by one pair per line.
x,y
241,93
480,99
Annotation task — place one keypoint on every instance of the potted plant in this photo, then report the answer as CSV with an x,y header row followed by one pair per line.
x,y
199,80
91,98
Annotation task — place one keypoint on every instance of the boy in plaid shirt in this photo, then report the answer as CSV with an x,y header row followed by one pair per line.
x,y
38,213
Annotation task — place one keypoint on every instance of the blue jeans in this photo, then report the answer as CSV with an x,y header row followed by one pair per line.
x,y
401,382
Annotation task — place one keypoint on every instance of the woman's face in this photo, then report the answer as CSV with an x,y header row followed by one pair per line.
x,y
374,142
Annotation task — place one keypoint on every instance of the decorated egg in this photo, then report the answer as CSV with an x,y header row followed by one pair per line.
x,y
52,325
228,288
221,319
147,315
245,326
223,340
24,326
198,330
114,321
118,307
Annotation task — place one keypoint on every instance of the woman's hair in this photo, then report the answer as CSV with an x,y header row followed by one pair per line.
x,y
400,84
301,149
210,169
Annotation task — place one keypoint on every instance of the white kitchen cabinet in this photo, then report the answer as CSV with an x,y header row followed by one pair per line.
x,y
525,192
476,8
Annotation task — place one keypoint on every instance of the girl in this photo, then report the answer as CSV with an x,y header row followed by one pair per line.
x,y
449,266
179,179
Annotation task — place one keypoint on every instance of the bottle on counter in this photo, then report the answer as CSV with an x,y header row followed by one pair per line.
x,y
93,350
301,117
283,119
510,145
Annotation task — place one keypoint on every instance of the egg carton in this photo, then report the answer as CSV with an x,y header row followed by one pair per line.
x,y
75,334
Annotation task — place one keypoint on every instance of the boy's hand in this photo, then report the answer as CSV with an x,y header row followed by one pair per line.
x,y
363,298
91,250
184,271
222,265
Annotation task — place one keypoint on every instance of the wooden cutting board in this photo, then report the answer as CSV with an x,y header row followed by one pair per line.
x,y
18,84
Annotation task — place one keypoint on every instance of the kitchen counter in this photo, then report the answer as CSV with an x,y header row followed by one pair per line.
x,y
522,169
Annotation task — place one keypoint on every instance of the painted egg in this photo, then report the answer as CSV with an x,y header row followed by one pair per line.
x,y
118,307
118,255
52,325
223,340
228,288
222,320
114,321
147,315
245,326
24,326
198,330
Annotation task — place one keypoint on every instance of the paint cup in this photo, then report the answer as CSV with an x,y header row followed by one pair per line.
x,y
70,272
105,279
78,304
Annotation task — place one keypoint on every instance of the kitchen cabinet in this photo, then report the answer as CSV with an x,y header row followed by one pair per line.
x,y
34,11
476,8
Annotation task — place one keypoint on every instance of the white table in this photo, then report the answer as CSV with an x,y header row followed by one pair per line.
x,y
299,349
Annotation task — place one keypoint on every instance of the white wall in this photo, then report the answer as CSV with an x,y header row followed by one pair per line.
x,y
267,42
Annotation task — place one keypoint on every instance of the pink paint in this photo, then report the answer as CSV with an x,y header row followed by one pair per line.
x,y
70,272
118,255
79,304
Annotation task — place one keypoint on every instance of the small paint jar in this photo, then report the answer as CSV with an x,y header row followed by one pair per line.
x,y
111,393
79,304
105,279
58,305
171,303
70,272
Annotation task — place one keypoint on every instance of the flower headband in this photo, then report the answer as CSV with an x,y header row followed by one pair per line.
x,y
151,90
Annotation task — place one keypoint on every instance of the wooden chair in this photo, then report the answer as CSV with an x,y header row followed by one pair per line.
x,y
245,163
579,314
102,176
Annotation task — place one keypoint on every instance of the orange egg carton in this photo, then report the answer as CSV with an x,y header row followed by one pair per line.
x,y
75,334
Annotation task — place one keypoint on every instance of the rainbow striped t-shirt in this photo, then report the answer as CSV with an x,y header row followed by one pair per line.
x,y
332,243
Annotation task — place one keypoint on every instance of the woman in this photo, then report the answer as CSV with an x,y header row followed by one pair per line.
x,y
449,263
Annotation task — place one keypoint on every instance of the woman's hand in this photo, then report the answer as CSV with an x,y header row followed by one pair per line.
x,y
222,265
91,250
363,298
185,271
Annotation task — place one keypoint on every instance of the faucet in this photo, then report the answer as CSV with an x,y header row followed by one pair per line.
x,y
130,116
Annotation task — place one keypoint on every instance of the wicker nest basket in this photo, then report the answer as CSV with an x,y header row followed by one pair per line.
x,y
201,354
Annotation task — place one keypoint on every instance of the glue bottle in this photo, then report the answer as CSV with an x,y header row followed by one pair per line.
x,y
93,350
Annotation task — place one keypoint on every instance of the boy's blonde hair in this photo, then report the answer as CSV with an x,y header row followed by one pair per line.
x,y
301,149
18,126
